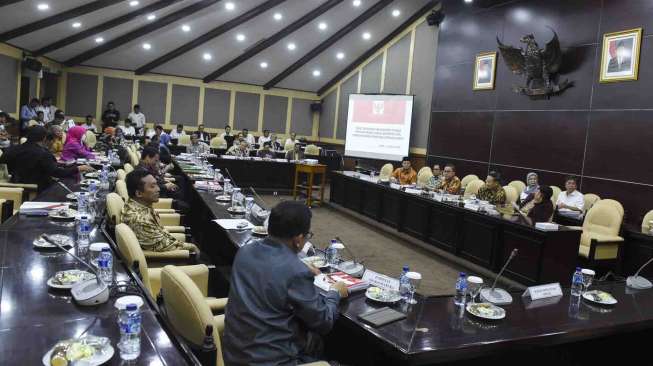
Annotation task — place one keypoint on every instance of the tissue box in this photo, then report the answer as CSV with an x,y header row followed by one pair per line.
x,y
548,226
310,161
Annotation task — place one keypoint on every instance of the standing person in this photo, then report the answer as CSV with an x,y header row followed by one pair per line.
x,y
273,315
28,113
110,116
406,174
138,119
48,109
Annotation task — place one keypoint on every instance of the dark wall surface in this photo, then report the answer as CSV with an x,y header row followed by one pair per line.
x,y
602,133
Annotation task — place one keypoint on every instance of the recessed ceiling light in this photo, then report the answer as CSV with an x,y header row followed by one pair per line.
x,y
77,25
240,37
317,73
367,35
147,46
468,1
357,3
207,56
292,46
151,17
99,40
322,26
277,16
185,28
133,3
230,6
43,6
340,55
396,13
264,65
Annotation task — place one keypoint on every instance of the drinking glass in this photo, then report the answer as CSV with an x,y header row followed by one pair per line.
x,y
474,285
415,278
588,277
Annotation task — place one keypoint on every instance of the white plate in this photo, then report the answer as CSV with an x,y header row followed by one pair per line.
x,y
237,212
610,300
87,182
53,284
223,198
497,312
321,262
73,196
259,230
390,297
98,359
64,240
92,175
72,214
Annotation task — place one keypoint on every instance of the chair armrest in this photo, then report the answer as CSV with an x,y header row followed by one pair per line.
x,y
163,203
217,304
169,219
179,236
165,210
175,229
171,254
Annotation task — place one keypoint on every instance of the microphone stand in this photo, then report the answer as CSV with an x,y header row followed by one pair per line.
x,y
353,267
97,277
266,206
499,296
65,187
638,282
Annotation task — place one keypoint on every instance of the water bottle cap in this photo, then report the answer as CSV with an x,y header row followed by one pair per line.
x,y
86,218
577,269
463,274
105,249
131,307
406,268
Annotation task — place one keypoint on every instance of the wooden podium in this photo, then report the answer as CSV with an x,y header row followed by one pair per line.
x,y
310,171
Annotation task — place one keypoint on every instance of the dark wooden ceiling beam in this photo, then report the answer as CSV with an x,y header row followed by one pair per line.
x,y
105,26
140,32
56,19
214,33
8,2
267,42
329,42
352,66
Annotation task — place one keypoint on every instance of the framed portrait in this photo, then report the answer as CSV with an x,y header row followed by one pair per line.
x,y
620,55
485,70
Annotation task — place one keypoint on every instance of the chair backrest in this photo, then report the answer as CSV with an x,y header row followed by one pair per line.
x,y
218,142
115,204
186,308
89,139
32,123
121,174
386,172
289,146
312,150
518,185
130,249
121,189
184,140
128,168
12,194
614,203
590,200
511,194
646,223
473,187
603,219
424,176
556,192
23,140
467,179
133,157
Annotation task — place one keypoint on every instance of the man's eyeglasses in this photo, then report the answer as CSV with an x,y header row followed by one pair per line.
x,y
309,235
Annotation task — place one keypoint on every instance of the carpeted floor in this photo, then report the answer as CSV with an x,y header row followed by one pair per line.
x,y
380,251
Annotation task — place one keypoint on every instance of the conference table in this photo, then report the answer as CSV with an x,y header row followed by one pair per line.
x,y
33,317
435,331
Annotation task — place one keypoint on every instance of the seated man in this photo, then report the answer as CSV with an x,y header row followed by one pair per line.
x,y
89,125
203,136
33,163
163,138
128,129
406,174
150,163
5,139
450,183
266,151
273,304
492,191
436,180
295,154
570,201
251,140
265,138
240,149
176,134
538,207
197,146
139,215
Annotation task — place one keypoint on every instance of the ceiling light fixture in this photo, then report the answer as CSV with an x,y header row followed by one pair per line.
x,y
230,6
357,3
99,40
133,3
322,26
317,73
43,6
264,65
185,28
340,55
396,13
277,16
367,36
207,56
77,25
240,37
292,46
469,1
147,46
151,17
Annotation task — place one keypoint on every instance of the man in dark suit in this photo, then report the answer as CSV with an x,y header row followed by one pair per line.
x,y
622,59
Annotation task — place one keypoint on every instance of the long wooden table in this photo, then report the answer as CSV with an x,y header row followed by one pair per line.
x,y
33,317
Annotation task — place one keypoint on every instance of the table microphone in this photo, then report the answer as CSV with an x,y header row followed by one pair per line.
x,y
499,296
233,182
86,293
65,187
260,198
638,282
352,267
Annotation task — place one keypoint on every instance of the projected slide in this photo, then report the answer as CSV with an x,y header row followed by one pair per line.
x,y
378,126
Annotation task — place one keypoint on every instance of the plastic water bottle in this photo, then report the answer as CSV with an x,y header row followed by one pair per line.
x,y
105,266
577,283
332,253
83,232
104,178
130,332
404,283
82,202
461,289
372,176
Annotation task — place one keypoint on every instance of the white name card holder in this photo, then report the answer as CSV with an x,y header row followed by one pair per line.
x,y
550,290
472,207
380,280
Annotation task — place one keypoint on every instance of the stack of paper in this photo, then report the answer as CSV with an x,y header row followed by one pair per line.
x,y
324,281
234,224
33,207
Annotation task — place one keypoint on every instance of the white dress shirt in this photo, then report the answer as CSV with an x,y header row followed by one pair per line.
x,y
175,135
150,133
290,141
68,124
48,112
575,199
138,119
128,131
250,139
263,139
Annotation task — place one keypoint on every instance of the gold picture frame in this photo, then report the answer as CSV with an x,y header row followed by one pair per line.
x,y
485,69
620,54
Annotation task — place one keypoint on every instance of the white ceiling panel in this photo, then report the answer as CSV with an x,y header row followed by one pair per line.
x,y
26,12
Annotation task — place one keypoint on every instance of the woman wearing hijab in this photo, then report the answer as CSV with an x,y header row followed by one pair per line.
x,y
532,185
55,140
74,147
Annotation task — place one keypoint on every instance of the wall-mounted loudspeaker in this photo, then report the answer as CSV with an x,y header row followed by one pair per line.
x,y
316,107
435,18
32,64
